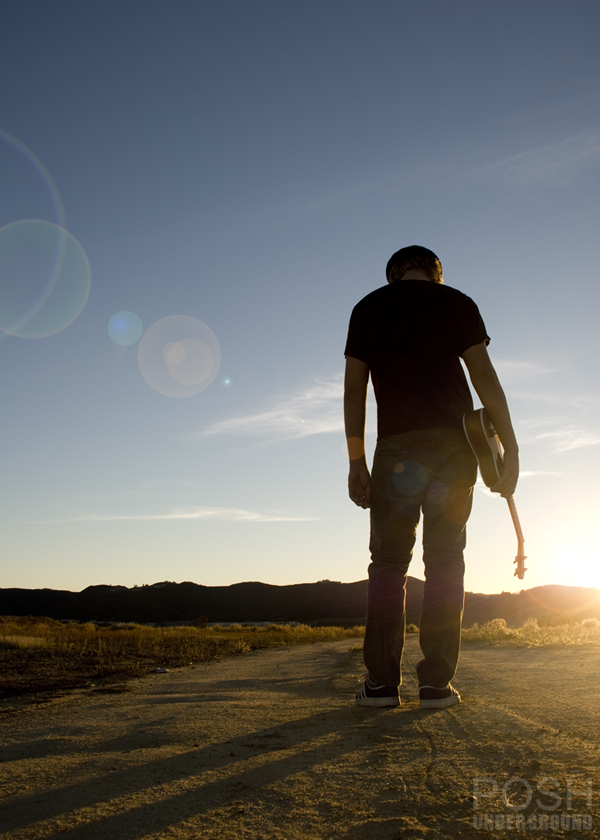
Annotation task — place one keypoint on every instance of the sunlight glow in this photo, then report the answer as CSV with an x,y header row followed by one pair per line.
x,y
577,559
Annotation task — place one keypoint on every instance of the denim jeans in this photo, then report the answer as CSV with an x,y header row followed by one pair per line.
x,y
433,471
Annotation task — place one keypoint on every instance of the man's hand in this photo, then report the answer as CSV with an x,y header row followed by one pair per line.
x,y
359,483
507,484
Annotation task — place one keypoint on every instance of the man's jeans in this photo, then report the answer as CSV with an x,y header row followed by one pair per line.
x,y
432,470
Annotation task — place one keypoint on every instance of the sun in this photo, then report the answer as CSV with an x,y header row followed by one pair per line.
x,y
576,559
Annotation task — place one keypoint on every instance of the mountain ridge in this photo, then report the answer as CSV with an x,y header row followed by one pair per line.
x,y
321,602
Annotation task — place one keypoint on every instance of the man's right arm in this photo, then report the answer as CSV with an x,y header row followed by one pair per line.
x,y
489,390
356,381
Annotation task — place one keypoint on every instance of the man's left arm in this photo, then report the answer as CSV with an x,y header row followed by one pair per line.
x,y
490,392
356,381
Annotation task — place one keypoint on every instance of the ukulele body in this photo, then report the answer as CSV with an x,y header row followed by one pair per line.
x,y
487,448
485,444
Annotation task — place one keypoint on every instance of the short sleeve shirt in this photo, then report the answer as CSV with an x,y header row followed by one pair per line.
x,y
411,334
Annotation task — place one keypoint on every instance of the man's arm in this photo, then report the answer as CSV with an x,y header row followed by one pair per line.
x,y
486,383
355,412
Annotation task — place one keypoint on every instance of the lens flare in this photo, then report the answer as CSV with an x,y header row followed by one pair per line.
x,y
179,356
409,477
45,278
41,171
125,328
189,361
173,353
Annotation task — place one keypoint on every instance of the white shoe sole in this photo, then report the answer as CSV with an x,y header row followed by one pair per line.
x,y
444,703
377,701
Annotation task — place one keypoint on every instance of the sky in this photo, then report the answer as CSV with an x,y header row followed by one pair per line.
x,y
234,177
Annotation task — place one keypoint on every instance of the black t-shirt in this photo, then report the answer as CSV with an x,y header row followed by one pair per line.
x,y
411,334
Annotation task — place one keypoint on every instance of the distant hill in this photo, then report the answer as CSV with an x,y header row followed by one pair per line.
x,y
251,601
324,602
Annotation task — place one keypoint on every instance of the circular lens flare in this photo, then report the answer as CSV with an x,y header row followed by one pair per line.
x,y
45,278
189,361
179,356
41,171
23,200
125,328
173,353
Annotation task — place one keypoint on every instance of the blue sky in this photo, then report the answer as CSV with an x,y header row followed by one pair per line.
x,y
253,165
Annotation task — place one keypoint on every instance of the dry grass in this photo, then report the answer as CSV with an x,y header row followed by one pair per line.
x,y
43,655
40,656
535,633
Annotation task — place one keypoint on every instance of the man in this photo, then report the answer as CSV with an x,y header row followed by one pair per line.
x,y
410,336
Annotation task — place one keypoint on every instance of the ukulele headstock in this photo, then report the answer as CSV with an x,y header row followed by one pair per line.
x,y
520,561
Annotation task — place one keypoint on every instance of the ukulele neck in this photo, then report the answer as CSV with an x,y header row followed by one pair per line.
x,y
515,518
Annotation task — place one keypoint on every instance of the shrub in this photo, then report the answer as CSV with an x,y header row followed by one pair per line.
x,y
535,634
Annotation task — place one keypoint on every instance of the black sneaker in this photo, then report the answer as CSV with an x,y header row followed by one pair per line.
x,y
377,695
438,698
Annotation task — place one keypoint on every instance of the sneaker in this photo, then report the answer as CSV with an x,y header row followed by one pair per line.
x,y
377,695
438,698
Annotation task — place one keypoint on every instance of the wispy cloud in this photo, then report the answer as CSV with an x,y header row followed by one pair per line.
x,y
521,369
158,483
314,410
559,397
530,473
557,163
522,474
553,164
190,513
563,431
570,437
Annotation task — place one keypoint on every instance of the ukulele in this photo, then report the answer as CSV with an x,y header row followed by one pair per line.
x,y
485,443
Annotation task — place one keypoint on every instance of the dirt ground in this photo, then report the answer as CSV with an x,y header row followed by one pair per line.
x,y
271,746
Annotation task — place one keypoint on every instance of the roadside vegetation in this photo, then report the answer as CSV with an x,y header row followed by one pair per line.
x,y
43,655
548,630
40,656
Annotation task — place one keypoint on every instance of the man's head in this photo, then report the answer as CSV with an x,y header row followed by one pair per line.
x,y
414,258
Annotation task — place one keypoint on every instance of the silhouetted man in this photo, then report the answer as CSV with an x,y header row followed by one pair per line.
x,y
410,336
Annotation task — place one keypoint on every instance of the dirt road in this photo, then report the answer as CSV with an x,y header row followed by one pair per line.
x,y
270,746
